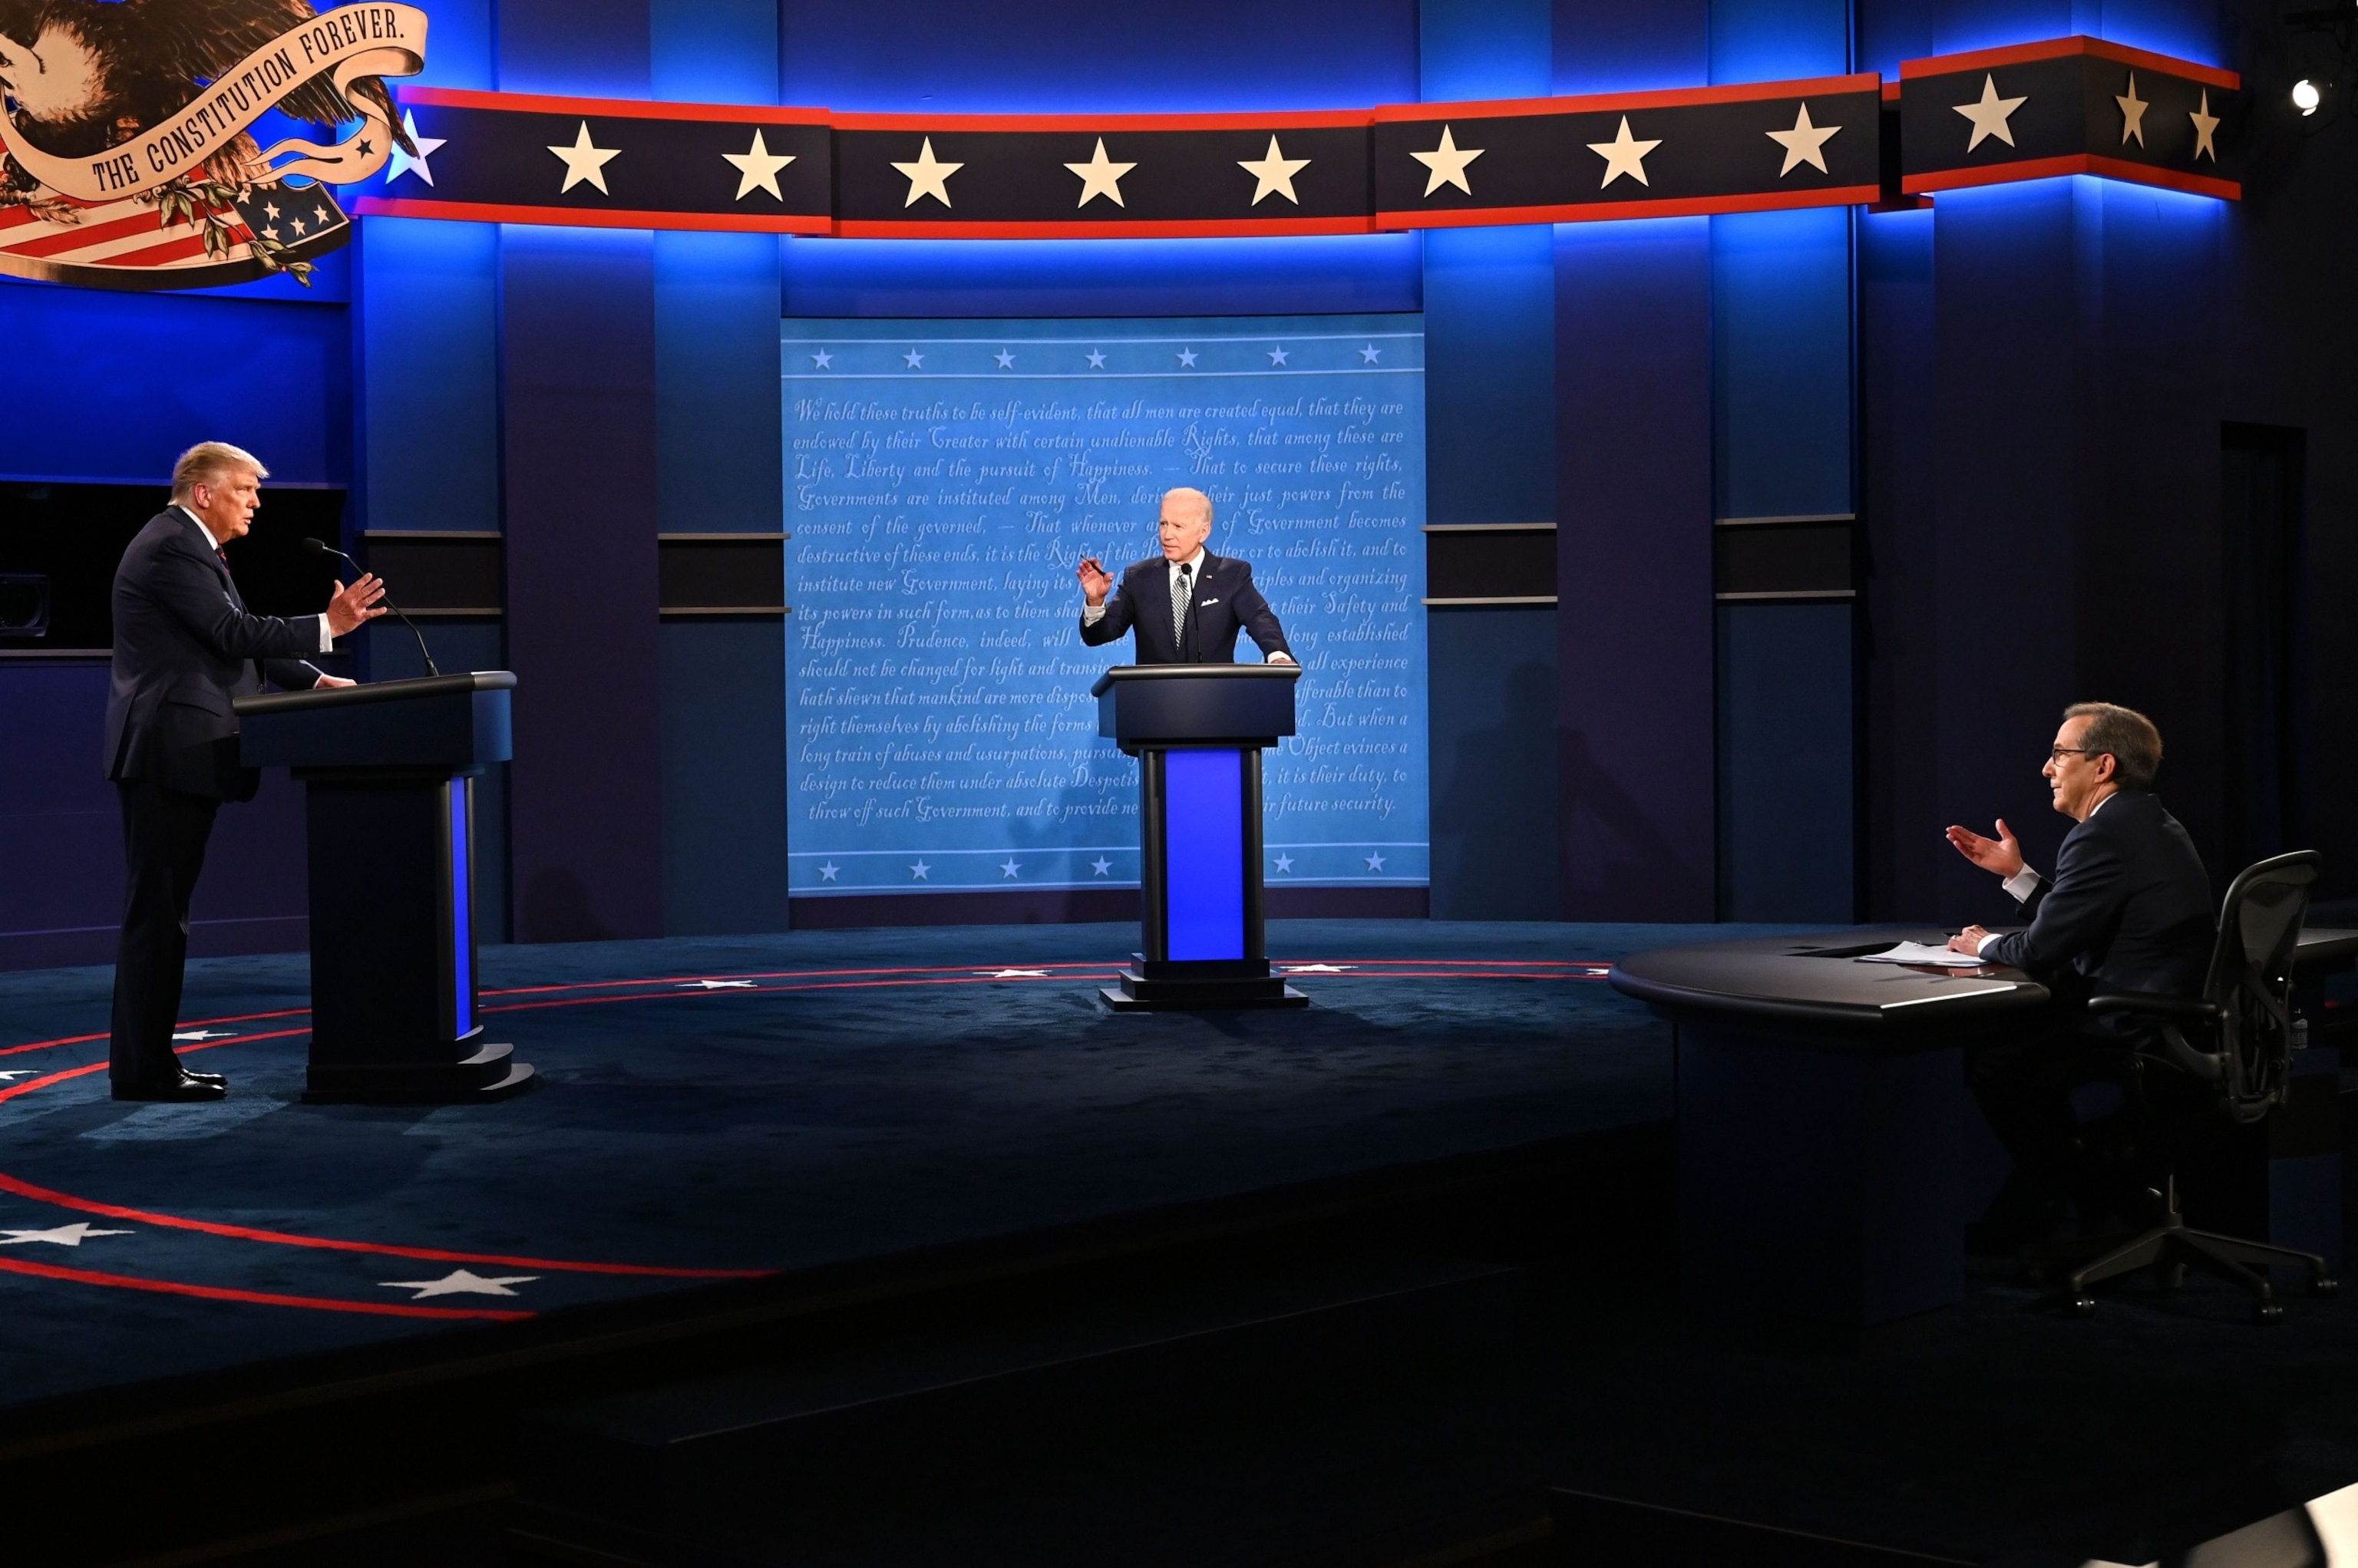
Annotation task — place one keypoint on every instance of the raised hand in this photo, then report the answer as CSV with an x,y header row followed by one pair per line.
x,y
1096,582
351,604
2001,855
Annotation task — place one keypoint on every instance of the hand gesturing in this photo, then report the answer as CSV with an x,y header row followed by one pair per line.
x,y
1096,582
2001,855
351,604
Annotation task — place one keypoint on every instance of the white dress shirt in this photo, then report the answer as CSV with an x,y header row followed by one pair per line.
x,y
327,638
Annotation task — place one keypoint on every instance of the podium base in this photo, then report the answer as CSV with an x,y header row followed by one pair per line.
x,y
1166,992
490,1074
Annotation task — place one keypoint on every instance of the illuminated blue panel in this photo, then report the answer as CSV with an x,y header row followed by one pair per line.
x,y
1204,853
462,905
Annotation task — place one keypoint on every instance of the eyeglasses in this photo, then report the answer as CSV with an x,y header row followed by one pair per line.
x,y
2057,753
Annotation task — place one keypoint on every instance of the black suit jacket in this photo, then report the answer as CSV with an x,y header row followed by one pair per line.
x,y
2127,910
1226,602
184,647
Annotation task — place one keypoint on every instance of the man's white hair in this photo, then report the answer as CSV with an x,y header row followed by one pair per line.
x,y
1191,498
207,461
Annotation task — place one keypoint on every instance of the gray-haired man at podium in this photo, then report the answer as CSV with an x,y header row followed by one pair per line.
x,y
1186,605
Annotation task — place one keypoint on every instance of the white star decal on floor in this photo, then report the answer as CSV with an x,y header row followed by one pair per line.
x,y
584,162
1274,174
914,360
1186,358
826,872
1013,974
1284,863
1097,359
919,871
14,1073
458,1282
72,1234
1008,868
1376,861
1102,866
1277,356
1624,154
2132,110
1370,354
203,1034
1804,143
719,985
1317,968
757,167
1989,116
928,177
822,360
1100,177
1006,360
412,163
2205,123
1447,163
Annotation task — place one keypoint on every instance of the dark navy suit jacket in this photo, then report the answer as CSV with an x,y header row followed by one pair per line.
x,y
2128,908
1227,602
184,648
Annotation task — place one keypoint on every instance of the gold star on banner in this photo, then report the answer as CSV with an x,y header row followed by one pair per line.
x,y
1989,116
1804,143
1100,177
2132,110
585,162
927,177
758,168
1274,174
1447,163
2205,123
1624,154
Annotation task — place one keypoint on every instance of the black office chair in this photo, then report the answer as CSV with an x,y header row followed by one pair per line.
x,y
2237,1040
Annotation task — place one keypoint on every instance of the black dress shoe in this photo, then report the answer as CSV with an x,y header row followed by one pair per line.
x,y
204,1078
180,1088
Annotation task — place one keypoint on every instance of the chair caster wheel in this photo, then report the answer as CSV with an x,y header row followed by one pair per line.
x,y
2267,1312
2081,1306
2321,1286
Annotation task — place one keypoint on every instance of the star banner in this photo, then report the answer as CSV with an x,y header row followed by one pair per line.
x,y
2070,106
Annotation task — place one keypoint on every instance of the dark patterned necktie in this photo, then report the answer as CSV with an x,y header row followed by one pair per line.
x,y
1179,599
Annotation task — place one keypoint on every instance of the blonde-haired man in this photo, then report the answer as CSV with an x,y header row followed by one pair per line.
x,y
184,648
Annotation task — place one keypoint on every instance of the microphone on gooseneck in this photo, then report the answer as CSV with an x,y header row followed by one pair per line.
x,y
320,547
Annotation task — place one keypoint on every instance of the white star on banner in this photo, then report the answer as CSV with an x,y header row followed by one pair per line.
x,y
1989,116
1097,359
2132,110
928,175
1012,974
583,162
1284,863
1624,154
412,163
2205,123
919,871
72,1234
1370,354
1006,360
1277,356
914,360
826,872
1804,143
458,1282
1100,177
1447,163
717,985
1186,358
1317,968
758,167
1008,868
1376,861
1274,174
822,360
1102,866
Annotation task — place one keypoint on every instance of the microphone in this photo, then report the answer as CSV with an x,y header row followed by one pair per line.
x,y
320,547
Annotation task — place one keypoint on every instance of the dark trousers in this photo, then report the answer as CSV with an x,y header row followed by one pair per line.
x,y
164,836
2024,1086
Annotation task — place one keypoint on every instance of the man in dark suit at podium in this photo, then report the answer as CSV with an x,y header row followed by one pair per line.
x,y
2127,910
185,647
1188,604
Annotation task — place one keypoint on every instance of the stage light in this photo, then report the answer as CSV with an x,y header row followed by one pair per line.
x,y
2305,97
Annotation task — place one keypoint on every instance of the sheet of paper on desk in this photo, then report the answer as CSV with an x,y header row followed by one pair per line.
x,y
1919,953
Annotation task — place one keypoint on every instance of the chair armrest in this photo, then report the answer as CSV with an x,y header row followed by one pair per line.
x,y
2153,1004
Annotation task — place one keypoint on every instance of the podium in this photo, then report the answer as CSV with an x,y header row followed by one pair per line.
x,y
1197,731
388,771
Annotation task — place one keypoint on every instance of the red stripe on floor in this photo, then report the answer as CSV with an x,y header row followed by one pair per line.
x,y
257,1297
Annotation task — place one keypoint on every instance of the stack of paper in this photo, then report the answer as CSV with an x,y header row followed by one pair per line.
x,y
1919,953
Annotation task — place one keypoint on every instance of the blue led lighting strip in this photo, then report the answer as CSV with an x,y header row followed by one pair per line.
x,y
1204,853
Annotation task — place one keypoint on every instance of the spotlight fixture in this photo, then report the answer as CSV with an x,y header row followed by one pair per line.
x,y
2305,97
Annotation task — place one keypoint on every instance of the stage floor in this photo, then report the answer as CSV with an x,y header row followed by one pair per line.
x,y
719,1108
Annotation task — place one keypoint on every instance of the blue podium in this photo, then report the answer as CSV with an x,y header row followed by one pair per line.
x,y
1197,731
388,772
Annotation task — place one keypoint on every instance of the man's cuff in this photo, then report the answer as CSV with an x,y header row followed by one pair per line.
x,y
327,637
1984,944
2022,884
1092,613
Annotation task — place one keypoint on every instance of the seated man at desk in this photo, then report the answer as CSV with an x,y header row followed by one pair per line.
x,y
2128,909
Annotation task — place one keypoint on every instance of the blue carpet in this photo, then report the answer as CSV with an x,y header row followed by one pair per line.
x,y
828,1097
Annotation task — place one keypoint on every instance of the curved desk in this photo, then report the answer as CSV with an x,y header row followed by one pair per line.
x,y
1820,1113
